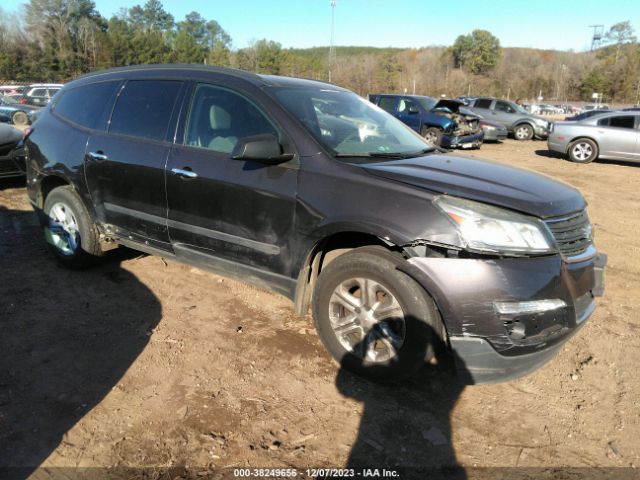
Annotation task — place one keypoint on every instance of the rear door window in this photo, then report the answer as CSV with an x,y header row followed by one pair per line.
x,y
143,108
623,121
88,105
39,92
483,103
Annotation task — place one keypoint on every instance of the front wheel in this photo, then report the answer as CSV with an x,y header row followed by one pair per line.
x,y
69,230
373,319
583,150
523,132
433,135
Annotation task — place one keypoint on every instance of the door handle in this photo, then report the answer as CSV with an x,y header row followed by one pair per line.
x,y
99,156
184,172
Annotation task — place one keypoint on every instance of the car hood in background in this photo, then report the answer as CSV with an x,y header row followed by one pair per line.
x,y
485,181
453,105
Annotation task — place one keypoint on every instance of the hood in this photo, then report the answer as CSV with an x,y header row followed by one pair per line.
x,y
484,181
453,105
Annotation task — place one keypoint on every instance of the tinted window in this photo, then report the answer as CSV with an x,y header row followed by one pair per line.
x,y
88,105
388,104
38,92
504,107
144,107
483,103
219,118
626,121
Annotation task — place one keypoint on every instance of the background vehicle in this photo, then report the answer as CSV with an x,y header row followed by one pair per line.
x,y
12,162
12,90
598,106
371,227
520,123
614,136
15,112
493,131
584,115
438,121
40,94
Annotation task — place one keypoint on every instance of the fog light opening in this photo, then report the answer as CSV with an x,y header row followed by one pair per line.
x,y
533,306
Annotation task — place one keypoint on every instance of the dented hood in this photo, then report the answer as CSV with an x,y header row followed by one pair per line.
x,y
484,181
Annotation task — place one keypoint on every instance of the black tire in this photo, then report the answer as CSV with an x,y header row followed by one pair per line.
x,y
87,240
583,150
20,118
423,332
523,132
432,135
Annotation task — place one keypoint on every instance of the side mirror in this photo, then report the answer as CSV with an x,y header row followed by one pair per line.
x,y
413,110
260,148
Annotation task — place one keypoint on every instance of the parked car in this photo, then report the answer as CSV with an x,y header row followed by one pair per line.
x,y
583,115
613,136
597,106
15,112
438,121
493,131
520,123
40,94
12,90
397,248
12,161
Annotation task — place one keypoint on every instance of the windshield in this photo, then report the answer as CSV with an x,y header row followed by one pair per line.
x,y
348,125
427,102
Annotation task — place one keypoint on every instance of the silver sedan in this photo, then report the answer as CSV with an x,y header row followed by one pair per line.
x,y
613,135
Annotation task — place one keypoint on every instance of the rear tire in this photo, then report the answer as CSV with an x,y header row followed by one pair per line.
x,y
70,232
20,118
583,150
523,132
433,135
373,319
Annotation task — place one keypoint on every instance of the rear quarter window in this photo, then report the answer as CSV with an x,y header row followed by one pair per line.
x,y
88,105
144,108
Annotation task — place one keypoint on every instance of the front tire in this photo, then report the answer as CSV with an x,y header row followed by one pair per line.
x,y
523,132
373,319
70,232
433,135
583,150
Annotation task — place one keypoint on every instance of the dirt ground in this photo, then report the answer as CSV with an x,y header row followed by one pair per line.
x,y
143,362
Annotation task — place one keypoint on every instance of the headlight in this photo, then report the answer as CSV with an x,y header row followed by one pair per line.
x,y
491,229
541,122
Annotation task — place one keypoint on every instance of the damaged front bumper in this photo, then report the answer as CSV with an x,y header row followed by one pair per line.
x,y
505,317
462,141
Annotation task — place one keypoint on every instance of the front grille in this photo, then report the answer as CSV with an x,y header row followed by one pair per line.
x,y
572,233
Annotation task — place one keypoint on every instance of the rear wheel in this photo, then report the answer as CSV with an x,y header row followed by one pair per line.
x,y
583,150
523,132
69,231
373,319
433,135
19,118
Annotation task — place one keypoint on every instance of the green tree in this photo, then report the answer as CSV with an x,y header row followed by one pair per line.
x,y
477,52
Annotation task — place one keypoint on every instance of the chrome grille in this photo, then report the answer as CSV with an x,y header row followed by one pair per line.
x,y
572,233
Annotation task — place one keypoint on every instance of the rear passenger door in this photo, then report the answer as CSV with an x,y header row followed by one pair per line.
x,y
125,166
618,137
482,106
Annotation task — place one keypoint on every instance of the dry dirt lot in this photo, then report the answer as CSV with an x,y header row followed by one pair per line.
x,y
143,362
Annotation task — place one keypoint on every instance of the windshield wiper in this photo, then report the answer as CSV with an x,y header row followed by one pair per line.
x,y
397,155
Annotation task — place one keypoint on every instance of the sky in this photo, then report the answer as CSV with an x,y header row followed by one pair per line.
x,y
545,24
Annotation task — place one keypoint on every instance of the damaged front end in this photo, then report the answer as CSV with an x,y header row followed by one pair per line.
x,y
465,131
506,312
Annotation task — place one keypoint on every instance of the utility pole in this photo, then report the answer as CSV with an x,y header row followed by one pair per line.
x,y
332,52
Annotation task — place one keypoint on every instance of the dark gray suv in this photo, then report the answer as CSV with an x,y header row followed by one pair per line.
x,y
309,190
520,123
